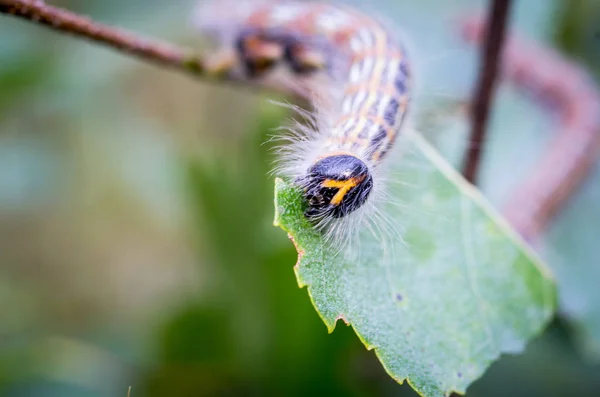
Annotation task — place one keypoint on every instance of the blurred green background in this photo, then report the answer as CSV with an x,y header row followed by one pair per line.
x,y
136,237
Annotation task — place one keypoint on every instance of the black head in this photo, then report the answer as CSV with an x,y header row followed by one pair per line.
x,y
336,186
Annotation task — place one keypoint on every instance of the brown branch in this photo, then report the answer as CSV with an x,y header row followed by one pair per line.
x,y
491,59
158,52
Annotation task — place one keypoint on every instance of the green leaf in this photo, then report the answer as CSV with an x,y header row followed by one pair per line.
x,y
458,291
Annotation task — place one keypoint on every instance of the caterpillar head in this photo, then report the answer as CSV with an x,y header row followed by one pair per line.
x,y
335,186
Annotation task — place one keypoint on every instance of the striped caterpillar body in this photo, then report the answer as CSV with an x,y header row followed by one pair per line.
x,y
367,87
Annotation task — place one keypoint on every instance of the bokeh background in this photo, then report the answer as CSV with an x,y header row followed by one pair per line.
x,y
136,238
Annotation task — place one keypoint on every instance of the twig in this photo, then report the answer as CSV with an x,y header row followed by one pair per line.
x,y
491,59
151,50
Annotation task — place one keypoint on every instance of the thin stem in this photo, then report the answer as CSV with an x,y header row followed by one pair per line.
x,y
155,51
491,60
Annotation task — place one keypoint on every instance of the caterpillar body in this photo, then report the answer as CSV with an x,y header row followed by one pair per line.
x,y
335,160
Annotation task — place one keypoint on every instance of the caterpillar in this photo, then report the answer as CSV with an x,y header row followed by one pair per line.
x,y
360,108
573,99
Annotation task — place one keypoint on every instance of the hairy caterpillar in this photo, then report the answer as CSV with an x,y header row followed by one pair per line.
x,y
336,159
568,91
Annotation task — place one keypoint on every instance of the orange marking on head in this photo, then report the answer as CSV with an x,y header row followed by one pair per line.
x,y
342,186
